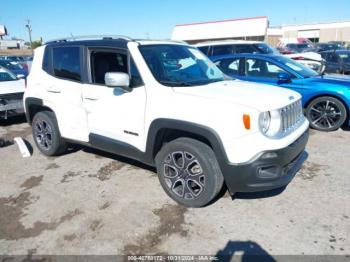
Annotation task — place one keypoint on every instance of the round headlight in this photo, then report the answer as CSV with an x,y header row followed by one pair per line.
x,y
270,123
264,122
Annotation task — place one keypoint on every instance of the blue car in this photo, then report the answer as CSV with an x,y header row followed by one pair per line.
x,y
326,98
15,68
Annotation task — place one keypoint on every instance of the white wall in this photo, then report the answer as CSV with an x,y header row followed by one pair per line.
x,y
221,29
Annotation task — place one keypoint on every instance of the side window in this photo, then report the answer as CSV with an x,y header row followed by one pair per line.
x,y
222,50
240,49
261,68
103,62
46,60
204,49
108,61
66,63
229,66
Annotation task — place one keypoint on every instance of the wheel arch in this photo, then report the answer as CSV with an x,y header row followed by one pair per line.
x,y
166,130
33,106
307,103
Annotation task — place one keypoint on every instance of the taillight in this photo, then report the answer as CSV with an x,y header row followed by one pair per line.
x,y
25,66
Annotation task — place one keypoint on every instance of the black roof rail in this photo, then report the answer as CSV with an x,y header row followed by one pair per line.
x,y
89,37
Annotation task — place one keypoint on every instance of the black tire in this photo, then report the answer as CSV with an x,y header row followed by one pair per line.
x,y
195,180
326,113
47,135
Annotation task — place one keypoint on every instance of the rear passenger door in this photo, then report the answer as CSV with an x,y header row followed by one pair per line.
x,y
114,113
259,70
62,88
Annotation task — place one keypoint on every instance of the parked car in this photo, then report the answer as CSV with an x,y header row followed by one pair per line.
x,y
338,61
326,99
198,128
11,94
225,47
25,61
15,68
339,44
294,48
310,59
328,47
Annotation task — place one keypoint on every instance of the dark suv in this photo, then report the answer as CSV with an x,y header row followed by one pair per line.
x,y
228,47
338,61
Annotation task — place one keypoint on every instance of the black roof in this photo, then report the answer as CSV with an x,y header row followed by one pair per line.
x,y
103,42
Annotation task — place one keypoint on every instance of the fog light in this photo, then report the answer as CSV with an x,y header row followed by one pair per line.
x,y
268,172
269,155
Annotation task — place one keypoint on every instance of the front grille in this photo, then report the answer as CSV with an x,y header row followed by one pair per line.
x,y
291,116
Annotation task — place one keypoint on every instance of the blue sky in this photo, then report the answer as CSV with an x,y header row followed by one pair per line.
x,y
153,18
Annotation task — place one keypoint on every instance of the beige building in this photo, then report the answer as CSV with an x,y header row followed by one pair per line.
x,y
257,28
319,32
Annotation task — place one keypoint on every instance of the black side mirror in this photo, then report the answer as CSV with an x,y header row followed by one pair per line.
x,y
284,78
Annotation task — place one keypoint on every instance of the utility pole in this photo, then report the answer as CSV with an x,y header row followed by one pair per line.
x,y
29,28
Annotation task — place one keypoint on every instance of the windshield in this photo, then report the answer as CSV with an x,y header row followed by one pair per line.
x,y
178,65
299,68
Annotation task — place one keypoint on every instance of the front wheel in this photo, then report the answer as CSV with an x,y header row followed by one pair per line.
x,y
326,113
189,172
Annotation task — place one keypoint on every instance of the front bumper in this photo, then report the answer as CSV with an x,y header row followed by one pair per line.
x,y
272,169
11,104
11,109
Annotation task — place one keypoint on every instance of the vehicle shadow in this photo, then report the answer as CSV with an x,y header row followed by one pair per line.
x,y
14,120
248,251
125,160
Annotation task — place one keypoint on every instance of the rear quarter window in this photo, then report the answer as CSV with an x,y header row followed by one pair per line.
x,y
244,49
66,63
222,50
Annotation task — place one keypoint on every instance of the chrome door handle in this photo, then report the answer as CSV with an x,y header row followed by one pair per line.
x,y
90,98
52,89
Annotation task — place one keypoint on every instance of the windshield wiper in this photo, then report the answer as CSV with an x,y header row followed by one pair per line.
x,y
175,83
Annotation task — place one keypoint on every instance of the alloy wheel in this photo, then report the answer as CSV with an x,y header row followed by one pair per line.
x,y
43,134
184,175
325,114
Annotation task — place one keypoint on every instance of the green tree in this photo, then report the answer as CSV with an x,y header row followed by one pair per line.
x,y
37,43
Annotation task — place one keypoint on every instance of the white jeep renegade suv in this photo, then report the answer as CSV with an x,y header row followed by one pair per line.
x,y
165,104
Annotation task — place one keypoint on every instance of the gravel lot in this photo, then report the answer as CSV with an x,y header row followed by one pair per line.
x,y
90,202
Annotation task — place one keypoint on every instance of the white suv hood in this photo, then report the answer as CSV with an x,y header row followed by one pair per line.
x,y
11,87
259,96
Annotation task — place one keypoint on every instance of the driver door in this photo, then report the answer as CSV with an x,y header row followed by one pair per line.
x,y
263,71
114,113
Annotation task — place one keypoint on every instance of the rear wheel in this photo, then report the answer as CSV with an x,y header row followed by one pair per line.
x,y
46,134
326,113
189,172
